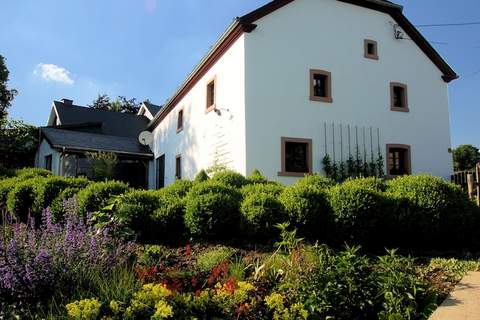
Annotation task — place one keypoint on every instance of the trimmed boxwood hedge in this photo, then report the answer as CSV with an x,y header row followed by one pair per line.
x,y
179,188
316,181
212,210
21,198
373,183
230,178
57,207
169,218
6,185
28,173
96,195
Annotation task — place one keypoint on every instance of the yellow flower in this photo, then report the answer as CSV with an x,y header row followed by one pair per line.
x,y
87,309
163,311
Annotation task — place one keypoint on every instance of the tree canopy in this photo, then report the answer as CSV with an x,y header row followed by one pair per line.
x,y
18,143
465,157
6,94
121,104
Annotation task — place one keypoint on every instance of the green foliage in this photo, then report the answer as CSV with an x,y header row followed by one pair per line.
x,y
212,210
201,176
103,164
372,183
465,157
18,143
169,218
316,181
431,210
261,211
86,309
121,104
49,189
5,186
57,206
96,195
28,173
6,94
21,198
270,187
454,268
357,212
179,188
307,209
230,178
213,257
257,177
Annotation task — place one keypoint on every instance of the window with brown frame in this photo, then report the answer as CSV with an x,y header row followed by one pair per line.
x,y
398,97
211,92
398,160
320,86
180,121
371,49
296,157
178,167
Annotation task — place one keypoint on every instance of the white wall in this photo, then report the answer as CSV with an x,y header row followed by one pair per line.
x,y
45,150
329,35
206,137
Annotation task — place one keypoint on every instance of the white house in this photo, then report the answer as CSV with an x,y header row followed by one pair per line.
x,y
285,85
298,79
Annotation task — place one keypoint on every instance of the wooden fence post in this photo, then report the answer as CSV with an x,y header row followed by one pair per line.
x,y
470,185
477,171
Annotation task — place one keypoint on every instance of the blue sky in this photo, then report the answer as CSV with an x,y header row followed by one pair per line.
x,y
144,48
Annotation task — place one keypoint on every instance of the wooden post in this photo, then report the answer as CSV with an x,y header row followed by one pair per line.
x,y
470,185
477,171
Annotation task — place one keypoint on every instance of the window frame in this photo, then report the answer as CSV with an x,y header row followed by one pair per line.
x,y
408,160
160,183
48,159
180,116
393,107
178,167
284,141
368,55
211,107
328,74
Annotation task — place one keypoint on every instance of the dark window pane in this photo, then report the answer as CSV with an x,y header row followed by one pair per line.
x,y
296,155
161,172
211,94
178,168
320,85
371,48
398,97
48,162
397,161
180,120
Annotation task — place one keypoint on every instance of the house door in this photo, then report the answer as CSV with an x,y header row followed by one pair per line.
x,y
160,172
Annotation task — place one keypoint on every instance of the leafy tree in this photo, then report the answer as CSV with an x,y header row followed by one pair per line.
x,y
103,164
121,104
6,95
465,157
18,143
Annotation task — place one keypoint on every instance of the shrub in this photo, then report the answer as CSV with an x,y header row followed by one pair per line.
x,y
212,210
136,208
213,257
179,188
86,309
261,211
96,195
431,210
357,211
230,178
307,209
169,218
316,181
257,177
201,176
21,198
271,188
372,183
57,206
28,173
5,186
46,191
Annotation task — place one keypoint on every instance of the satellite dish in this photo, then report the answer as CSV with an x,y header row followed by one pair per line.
x,y
145,138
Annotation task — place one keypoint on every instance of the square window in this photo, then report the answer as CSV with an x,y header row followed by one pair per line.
x,y
398,97
398,160
296,157
180,121
320,86
371,49
178,167
211,92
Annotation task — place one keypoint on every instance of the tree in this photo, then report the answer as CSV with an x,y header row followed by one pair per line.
x,y
121,104
6,95
103,164
465,157
18,143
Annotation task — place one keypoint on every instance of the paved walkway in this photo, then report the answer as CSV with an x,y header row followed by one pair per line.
x,y
463,303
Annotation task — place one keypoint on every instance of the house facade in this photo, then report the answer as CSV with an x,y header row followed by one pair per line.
x,y
296,80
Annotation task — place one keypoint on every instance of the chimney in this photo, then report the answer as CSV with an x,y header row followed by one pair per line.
x,y
67,102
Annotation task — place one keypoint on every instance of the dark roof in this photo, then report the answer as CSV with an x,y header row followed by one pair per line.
x,y
152,108
246,24
112,123
86,141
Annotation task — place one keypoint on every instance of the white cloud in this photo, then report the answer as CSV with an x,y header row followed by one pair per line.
x,y
52,72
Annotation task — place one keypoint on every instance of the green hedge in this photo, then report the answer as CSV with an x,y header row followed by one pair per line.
x,y
212,210
21,198
96,195
230,178
316,181
373,183
179,188
358,213
430,210
57,207
6,185
28,173
169,218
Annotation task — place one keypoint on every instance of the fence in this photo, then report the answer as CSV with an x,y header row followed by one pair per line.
x,y
469,181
